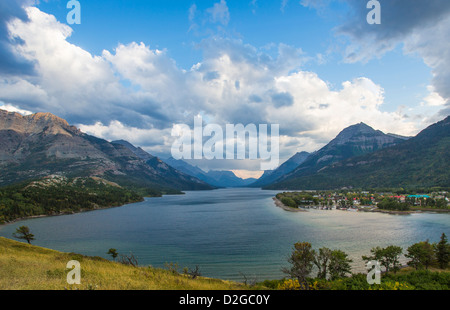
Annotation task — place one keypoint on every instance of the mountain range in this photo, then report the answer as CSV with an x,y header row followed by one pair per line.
x,y
354,140
271,176
360,157
42,144
216,178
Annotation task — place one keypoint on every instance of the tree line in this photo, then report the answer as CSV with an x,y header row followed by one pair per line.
x,y
332,265
72,195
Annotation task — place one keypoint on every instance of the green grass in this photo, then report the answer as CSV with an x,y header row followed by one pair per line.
x,y
29,267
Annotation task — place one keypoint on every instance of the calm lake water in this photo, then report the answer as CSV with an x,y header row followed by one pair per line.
x,y
228,233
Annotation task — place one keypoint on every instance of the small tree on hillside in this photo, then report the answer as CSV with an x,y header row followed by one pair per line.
x,y
113,253
301,260
339,265
321,261
391,257
421,255
442,252
388,257
23,232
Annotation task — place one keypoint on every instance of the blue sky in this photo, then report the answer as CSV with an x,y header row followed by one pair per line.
x,y
166,25
133,68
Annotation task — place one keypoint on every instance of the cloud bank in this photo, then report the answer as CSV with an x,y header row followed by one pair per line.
x,y
10,62
421,27
138,93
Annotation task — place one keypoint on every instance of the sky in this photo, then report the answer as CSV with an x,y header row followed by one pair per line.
x,y
132,69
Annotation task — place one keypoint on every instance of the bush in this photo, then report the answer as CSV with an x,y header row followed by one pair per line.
x,y
424,279
392,204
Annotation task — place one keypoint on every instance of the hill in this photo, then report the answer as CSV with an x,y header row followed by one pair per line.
x,y
421,161
29,267
138,151
55,195
289,165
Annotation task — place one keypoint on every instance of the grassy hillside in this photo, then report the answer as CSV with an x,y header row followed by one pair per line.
x,y
28,267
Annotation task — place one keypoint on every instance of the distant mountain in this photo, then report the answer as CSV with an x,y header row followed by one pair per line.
x,y
421,161
43,144
185,167
270,176
353,141
398,136
213,177
226,179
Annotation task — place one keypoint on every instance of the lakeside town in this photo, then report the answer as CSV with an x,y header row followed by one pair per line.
x,y
354,201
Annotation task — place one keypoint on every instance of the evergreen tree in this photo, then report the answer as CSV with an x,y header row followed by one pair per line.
x,y
339,264
442,252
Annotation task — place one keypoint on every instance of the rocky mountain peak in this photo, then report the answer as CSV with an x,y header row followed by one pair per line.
x,y
42,144
47,117
354,130
46,123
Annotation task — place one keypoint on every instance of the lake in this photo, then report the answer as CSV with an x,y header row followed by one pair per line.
x,y
228,233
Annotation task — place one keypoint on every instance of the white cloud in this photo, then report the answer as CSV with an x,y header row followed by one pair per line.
x,y
66,74
431,43
422,27
18,90
433,99
11,108
152,139
219,13
234,83
192,12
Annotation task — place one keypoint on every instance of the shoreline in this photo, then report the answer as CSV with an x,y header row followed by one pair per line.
x,y
64,213
277,202
409,211
281,205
